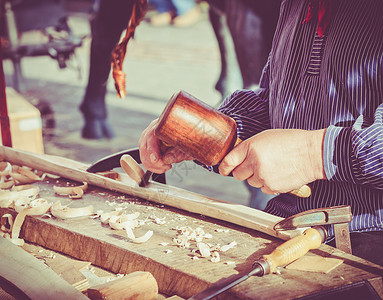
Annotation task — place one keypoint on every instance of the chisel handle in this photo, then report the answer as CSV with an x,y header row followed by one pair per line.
x,y
303,192
295,248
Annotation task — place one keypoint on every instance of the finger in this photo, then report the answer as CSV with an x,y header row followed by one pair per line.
x,y
242,172
149,146
160,170
255,181
266,190
174,155
233,159
153,150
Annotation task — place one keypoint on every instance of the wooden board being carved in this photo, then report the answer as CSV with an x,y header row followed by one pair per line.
x,y
160,193
173,267
38,281
177,272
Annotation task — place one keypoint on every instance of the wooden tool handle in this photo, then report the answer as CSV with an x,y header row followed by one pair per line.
x,y
132,168
295,248
136,285
303,191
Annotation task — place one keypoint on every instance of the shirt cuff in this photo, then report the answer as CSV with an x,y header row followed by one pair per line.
x,y
337,154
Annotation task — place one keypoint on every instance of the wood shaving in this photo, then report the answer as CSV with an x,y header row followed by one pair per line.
x,y
182,242
159,221
21,203
204,249
224,248
6,223
106,216
120,222
39,207
74,192
143,238
23,175
215,257
110,174
65,212
5,168
130,233
27,192
53,176
30,174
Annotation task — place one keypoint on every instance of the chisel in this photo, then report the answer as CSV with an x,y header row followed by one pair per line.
x,y
284,254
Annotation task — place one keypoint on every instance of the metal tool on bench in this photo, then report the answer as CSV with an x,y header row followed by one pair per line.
x,y
289,251
113,161
338,216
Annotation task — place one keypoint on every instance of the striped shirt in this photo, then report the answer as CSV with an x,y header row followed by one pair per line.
x,y
334,82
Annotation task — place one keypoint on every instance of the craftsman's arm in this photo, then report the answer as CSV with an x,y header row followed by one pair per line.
x,y
355,154
250,109
277,160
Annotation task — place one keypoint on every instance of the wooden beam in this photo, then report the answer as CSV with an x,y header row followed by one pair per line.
x,y
136,285
32,276
156,192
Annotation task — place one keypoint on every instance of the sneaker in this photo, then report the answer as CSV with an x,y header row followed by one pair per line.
x,y
161,19
188,19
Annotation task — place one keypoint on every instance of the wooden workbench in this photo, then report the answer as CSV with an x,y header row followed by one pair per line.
x,y
175,271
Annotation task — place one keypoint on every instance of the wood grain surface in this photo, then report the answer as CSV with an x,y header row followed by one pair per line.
x,y
175,271
174,268
156,192
32,276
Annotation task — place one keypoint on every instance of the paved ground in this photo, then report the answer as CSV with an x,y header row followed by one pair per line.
x,y
159,62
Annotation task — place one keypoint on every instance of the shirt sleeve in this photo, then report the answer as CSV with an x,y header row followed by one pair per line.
x,y
249,109
355,154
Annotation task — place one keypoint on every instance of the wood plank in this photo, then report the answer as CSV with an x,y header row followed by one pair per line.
x,y
312,263
38,281
156,192
136,285
176,272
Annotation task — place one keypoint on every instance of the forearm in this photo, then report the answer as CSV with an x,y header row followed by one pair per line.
x,y
355,154
250,110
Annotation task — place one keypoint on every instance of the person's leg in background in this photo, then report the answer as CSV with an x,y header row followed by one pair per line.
x,y
111,19
180,13
165,12
244,31
252,25
188,13
230,78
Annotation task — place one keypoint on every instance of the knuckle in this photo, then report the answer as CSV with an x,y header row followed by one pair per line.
x,y
238,175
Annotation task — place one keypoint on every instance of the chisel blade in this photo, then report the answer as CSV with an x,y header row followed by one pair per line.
x,y
227,283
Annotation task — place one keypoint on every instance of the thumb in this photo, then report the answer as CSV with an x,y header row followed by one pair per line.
x,y
233,159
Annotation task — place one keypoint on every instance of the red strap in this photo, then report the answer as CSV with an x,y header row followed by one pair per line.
x,y
4,119
323,9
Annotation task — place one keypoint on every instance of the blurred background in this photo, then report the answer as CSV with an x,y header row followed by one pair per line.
x,y
46,49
